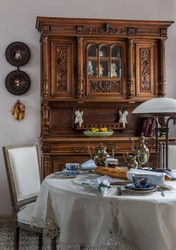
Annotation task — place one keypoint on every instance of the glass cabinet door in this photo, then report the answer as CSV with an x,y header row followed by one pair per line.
x,y
92,61
116,61
104,61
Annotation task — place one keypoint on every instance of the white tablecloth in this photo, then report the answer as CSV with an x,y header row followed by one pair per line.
x,y
84,216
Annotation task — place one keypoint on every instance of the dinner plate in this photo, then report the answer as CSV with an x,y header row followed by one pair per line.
x,y
132,188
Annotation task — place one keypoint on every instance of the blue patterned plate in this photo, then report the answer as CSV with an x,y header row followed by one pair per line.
x,y
132,187
67,174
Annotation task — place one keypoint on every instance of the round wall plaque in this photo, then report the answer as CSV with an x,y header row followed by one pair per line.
x,y
17,54
17,82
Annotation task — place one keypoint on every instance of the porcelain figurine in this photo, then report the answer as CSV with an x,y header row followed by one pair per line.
x,y
102,53
78,117
90,68
113,69
123,117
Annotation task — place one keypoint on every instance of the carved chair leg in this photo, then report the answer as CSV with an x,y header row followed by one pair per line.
x,y
16,238
53,243
40,241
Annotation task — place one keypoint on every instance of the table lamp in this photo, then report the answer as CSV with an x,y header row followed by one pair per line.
x,y
158,107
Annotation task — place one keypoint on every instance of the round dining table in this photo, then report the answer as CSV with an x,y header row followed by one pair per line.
x,y
135,220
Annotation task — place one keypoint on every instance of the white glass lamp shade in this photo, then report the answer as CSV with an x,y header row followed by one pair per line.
x,y
157,107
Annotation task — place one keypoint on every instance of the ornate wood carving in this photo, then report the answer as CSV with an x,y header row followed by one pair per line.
x,y
106,29
46,28
66,29
129,87
45,147
62,68
46,166
131,31
45,67
105,86
45,121
80,68
163,32
155,32
162,84
145,70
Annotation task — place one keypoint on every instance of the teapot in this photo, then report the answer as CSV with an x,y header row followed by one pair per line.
x,y
100,155
142,152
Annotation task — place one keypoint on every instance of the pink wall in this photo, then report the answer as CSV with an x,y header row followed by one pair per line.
x,y
17,23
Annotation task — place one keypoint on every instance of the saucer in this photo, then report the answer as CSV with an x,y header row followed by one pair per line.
x,y
132,187
67,174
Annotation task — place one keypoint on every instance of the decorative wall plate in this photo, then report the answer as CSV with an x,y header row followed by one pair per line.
x,y
17,54
17,82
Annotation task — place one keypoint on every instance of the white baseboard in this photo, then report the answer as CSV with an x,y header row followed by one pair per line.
x,y
6,217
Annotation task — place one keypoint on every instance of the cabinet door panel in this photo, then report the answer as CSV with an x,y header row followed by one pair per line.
x,y
146,69
62,69
105,69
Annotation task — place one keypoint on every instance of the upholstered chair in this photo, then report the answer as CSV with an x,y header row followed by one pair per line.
x,y
23,174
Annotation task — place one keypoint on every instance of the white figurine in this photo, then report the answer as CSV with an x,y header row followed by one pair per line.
x,y
78,117
90,68
101,70
113,69
123,117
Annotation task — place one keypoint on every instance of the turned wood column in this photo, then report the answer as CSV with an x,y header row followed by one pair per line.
x,y
45,119
45,83
80,68
162,83
129,88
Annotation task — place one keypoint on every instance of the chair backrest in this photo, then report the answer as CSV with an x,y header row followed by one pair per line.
x,y
23,173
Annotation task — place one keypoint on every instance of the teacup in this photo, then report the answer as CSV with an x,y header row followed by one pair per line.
x,y
72,166
142,181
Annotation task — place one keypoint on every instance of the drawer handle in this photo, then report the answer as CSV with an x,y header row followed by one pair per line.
x,y
79,151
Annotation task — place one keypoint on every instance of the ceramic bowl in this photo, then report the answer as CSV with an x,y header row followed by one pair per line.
x,y
98,134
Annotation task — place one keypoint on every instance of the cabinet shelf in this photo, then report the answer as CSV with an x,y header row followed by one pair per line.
x,y
105,58
109,125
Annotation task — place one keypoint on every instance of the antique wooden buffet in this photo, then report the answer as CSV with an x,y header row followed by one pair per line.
x,y
99,67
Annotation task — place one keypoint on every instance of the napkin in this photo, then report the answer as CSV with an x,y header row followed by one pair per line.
x,y
158,178
89,165
102,185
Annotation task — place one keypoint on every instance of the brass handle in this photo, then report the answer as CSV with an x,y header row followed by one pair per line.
x,y
79,151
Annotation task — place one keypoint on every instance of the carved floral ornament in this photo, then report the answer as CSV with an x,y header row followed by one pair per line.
x,y
106,29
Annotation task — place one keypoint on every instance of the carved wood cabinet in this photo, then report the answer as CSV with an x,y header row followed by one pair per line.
x,y
97,66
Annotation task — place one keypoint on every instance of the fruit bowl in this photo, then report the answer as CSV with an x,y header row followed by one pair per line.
x,y
98,134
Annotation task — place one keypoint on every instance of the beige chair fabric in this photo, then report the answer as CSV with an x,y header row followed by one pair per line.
x,y
23,174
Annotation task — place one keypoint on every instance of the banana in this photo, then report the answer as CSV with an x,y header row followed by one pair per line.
x,y
13,109
18,111
21,116
21,107
15,116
